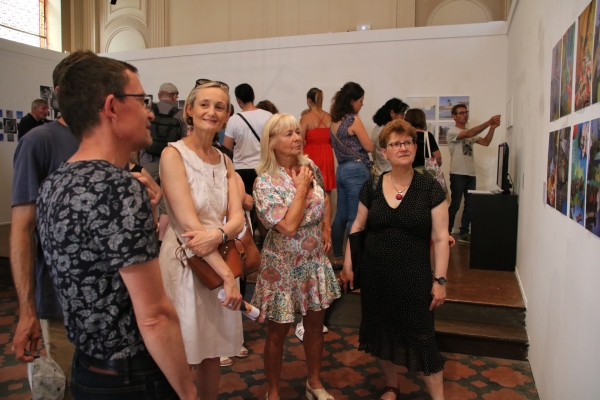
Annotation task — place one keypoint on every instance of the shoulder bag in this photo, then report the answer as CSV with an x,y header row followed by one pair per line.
x,y
431,166
233,254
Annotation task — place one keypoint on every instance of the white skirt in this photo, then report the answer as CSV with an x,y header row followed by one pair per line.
x,y
209,330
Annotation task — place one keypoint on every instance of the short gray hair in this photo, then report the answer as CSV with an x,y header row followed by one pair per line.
x,y
38,102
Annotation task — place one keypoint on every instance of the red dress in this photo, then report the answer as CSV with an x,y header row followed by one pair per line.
x,y
318,148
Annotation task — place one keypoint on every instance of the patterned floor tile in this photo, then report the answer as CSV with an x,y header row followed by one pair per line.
x,y
346,372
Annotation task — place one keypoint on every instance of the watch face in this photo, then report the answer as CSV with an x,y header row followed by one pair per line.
x,y
441,280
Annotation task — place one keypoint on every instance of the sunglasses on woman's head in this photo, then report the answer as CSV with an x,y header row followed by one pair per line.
x,y
205,81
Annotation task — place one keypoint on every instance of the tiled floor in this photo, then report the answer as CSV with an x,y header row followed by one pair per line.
x,y
347,372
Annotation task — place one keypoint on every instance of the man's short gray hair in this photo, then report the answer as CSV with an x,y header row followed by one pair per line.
x,y
38,102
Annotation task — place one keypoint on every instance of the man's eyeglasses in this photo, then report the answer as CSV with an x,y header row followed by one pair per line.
x,y
205,81
397,145
462,113
147,98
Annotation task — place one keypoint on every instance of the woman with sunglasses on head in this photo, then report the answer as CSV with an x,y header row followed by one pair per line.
x,y
405,212
351,145
200,189
391,110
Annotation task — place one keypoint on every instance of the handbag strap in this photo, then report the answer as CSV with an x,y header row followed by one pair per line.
x,y
344,146
249,126
426,138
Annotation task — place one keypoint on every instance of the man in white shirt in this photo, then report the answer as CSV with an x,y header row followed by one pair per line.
x,y
242,135
462,164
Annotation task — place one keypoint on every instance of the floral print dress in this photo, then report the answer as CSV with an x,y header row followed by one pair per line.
x,y
295,271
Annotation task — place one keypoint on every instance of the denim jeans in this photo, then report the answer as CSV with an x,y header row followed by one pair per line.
x,y
459,186
142,383
350,178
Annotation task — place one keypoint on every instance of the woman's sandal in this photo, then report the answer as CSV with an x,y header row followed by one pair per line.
x,y
226,361
317,394
390,389
243,352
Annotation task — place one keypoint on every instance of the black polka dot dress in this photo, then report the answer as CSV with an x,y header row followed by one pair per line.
x,y
396,277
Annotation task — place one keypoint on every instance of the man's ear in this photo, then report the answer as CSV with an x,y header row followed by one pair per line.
x,y
108,107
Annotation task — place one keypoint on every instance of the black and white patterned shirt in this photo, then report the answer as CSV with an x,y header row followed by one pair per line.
x,y
94,218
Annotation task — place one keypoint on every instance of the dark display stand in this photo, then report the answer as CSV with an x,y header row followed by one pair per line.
x,y
494,220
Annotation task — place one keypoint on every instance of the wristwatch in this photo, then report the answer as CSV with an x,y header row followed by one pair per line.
x,y
441,280
225,237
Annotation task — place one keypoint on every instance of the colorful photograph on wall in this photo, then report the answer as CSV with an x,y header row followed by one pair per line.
x,y
592,207
566,73
551,169
579,158
596,65
19,114
0,113
555,82
584,61
442,138
427,104
10,125
563,159
1,137
447,102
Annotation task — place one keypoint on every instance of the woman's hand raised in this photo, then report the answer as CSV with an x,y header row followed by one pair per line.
x,y
303,178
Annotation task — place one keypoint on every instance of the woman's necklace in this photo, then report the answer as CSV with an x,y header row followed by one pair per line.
x,y
400,193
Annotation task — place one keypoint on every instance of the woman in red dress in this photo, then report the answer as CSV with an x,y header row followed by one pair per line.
x,y
314,128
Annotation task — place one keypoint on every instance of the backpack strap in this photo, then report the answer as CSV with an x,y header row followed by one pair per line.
x,y
173,111
249,126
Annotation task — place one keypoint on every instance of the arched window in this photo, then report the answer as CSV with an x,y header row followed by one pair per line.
x,y
23,21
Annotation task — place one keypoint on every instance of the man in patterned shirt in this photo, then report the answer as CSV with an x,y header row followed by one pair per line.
x,y
97,234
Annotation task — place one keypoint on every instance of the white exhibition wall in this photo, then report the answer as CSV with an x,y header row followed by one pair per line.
x,y
431,61
23,70
558,260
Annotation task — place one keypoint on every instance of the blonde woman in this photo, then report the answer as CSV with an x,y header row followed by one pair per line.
x,y
200,188
295,270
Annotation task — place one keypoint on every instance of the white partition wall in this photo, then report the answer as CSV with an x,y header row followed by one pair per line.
x,y
431,61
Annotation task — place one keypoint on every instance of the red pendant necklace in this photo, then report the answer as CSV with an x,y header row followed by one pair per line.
x,y
400,195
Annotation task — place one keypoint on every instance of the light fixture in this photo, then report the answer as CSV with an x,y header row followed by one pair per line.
x,y
363,27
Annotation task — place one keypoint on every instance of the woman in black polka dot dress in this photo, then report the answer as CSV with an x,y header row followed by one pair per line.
x,y
405,213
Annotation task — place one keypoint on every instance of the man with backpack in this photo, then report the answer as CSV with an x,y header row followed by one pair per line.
x,y
168,126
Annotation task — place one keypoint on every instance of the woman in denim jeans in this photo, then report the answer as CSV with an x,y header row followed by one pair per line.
x,y
351,145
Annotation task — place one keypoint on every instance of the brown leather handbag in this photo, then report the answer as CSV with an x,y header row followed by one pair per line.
x,y
251,261
233,254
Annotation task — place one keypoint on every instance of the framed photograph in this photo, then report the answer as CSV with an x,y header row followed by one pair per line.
x,y
426,104
442,138
10,114
45,92
10,137
447,102
1,137
19,114
10,125
180,104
